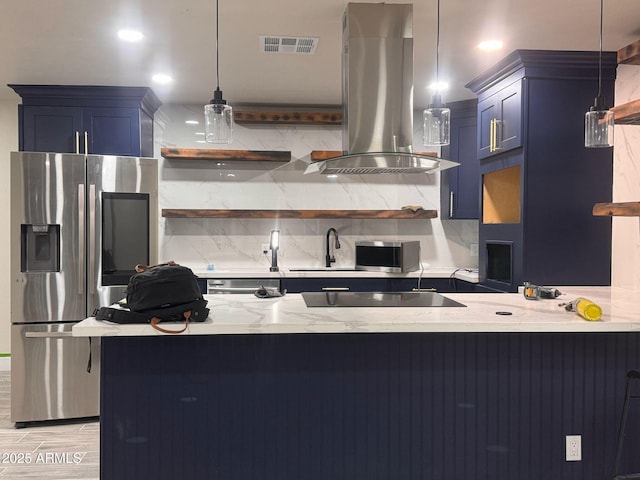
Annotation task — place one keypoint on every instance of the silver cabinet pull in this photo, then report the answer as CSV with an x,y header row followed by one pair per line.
x,y
48,334
77,142
86,143
450,204
335,289
212,289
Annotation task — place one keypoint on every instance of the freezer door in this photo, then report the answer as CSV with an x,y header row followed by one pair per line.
x,y
122,223
47,237
49,378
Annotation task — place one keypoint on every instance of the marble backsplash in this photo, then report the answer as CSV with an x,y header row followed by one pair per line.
x,y
229,243
625,259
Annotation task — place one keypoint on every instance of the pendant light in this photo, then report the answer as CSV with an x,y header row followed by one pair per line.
x,y
437,116
598,121
218,116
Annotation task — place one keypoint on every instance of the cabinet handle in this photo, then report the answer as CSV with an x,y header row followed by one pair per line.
x,y
86,143
77,142
47,334
494,135
335,289
491,126
494,142
450,204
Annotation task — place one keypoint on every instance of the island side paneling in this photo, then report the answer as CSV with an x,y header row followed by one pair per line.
x,y
363,406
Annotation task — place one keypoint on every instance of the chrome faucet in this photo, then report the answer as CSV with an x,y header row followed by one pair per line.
x,y
329,259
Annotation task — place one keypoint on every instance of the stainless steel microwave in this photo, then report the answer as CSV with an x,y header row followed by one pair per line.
x,y
394,257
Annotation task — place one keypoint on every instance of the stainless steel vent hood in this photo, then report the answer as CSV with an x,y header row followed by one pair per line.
x,y
377,94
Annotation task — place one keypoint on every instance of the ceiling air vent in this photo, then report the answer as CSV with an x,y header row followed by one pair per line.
x,y
280,44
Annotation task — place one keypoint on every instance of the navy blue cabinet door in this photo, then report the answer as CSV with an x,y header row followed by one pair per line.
x,y
50,129
460,199
112,131
500,121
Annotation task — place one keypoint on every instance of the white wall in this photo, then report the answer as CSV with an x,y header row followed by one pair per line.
x,y
8,143
626,186
228,243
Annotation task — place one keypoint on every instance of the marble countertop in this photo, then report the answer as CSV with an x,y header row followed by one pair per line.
x,y
466,274
247,314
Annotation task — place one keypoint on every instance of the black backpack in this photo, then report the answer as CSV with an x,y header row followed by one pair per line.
x,y
162,293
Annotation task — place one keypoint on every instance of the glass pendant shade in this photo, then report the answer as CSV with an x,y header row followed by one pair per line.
x,y
437,123
218,120
598,128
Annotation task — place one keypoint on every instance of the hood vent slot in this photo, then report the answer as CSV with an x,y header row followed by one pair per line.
x,y
287,44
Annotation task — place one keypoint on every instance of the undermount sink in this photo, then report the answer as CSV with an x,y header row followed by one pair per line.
x,y
322,269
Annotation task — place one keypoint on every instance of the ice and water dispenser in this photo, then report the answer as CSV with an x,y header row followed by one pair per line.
x,y
40,248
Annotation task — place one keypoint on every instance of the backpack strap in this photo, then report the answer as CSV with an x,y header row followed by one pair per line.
x,y
139,268
155,321
117,315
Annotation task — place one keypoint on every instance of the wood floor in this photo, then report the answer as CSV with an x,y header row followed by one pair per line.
x,y
62,451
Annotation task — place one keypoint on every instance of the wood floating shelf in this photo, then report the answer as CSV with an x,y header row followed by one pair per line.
x,y
284,117
630,54
628,113
621,209
300,214
321,155
225,155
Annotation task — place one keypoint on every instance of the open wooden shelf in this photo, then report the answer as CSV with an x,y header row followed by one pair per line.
x,y
301,214
627,113
620,209
225,155
287,117
630,54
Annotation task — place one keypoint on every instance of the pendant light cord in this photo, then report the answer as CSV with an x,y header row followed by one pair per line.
x,y
600,56
438,47
217,53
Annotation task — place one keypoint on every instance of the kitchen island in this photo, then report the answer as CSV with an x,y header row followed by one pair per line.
x,y
269,388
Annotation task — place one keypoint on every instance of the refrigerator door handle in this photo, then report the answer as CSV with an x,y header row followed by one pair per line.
x,y
92,239
47,334
81,240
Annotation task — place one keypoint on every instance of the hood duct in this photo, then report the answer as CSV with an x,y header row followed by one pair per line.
x,y
377,94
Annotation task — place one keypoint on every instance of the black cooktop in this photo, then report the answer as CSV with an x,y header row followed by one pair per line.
x,y
378,299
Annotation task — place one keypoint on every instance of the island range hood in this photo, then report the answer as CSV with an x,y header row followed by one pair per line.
x,y
377,94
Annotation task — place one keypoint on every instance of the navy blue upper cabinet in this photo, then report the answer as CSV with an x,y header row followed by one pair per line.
x,y
87,119
539,184
500,121
460,185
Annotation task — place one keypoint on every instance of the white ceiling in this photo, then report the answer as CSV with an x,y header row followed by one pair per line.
x,y
74,42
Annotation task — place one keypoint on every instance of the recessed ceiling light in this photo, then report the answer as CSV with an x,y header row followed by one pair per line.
x,y
192,122
129,35
162,79
491,45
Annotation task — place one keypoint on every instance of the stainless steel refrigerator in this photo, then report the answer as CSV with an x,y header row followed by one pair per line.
x,y
79,225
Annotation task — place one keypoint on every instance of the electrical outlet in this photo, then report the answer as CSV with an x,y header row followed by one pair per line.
x,y
265,248
574,448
